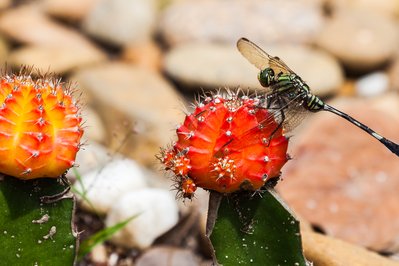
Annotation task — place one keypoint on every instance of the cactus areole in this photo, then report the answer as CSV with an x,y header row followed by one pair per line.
x,y
40,127
227,144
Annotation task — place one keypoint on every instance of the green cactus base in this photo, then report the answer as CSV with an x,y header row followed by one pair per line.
x,y
256,230
33,232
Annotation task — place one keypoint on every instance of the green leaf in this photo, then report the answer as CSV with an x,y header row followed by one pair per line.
x,y
101,236
33,232
256,230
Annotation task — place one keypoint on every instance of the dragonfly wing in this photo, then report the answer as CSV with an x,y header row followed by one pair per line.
x,y
286,109
259,58
293,116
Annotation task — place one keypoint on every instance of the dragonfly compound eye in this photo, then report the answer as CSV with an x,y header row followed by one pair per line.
x,y
266,77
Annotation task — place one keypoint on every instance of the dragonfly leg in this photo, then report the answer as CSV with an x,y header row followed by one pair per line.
x,y
280,109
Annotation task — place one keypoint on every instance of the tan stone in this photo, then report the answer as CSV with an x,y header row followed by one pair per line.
x,y
138,106
58,59
219,65
5,3
94,126
383,7
147,54
29,24
4,50
225,21
71,9
174,256
362,40
326,251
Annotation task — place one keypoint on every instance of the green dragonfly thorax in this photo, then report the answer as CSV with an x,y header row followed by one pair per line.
x,y
291,87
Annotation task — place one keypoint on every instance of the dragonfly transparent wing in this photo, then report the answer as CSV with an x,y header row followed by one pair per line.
x,y
286,110
259,58
283,112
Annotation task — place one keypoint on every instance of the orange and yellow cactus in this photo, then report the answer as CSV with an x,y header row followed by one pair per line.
x,y
227,144
40,127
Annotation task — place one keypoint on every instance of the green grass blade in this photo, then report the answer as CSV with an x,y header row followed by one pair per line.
x,y
82,191
26,237
256,230
101,236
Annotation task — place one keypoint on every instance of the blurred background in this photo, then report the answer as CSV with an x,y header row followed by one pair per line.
x,y
139,63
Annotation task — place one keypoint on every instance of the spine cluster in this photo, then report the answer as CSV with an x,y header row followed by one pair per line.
x,y
228,143
40,127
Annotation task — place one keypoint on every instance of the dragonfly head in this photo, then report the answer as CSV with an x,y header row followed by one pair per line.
x,y
266,77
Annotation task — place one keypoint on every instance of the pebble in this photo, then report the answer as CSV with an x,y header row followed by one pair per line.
x,y
121,22
17,23
99,254
140,111
226,21
165,256
147,55
211,66
343,180
72,10
56,59
216,65
361,40
157,213
383,7
324,250
4,50
104,186
387,102
5,3
91,156
393,73
94,127
372,84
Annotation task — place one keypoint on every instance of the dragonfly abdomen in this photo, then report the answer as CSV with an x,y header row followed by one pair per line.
x,y
313,103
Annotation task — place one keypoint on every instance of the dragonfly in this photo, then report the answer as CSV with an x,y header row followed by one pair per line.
x,y
290,96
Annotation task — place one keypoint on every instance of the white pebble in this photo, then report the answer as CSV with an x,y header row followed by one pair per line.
x,y
157,213
372,85
90,156
107,184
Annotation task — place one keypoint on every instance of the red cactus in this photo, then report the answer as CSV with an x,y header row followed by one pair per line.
x,y
227,144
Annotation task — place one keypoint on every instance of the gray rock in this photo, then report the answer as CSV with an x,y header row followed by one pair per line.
x,y
122,22
216,65
360,39
226,21
156,212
